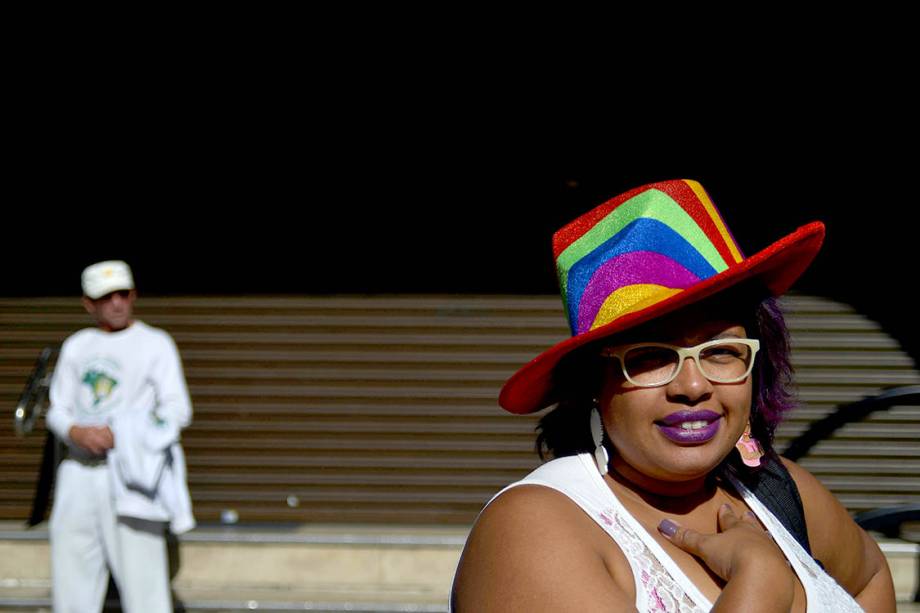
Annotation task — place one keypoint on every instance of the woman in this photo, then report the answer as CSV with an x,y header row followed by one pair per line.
x,y
666,494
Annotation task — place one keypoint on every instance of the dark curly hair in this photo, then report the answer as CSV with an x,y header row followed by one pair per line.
x,y
565,430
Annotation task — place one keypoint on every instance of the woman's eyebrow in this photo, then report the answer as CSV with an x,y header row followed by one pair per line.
x,y
721,335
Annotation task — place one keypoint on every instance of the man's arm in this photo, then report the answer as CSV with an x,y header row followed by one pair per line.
x,y
60,417
173,402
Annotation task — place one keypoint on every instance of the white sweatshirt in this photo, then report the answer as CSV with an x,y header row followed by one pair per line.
x,y
131,381
99,374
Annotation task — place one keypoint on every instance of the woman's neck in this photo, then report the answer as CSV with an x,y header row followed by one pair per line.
x,y
672,496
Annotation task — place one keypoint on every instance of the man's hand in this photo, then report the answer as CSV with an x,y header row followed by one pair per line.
x,y
95,439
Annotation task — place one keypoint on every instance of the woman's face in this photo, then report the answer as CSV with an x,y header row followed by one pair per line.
x,y
649,426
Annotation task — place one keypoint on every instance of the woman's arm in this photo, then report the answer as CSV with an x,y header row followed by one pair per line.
x,y
534,550
848,554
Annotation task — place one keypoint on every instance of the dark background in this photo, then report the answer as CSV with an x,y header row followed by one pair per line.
x,y
218,173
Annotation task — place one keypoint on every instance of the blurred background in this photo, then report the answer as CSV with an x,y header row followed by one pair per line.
x,y
256,172
351,247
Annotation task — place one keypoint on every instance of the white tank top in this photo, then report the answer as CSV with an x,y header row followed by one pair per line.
x,y
660,583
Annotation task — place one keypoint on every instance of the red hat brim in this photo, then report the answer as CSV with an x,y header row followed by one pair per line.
x,y
778,266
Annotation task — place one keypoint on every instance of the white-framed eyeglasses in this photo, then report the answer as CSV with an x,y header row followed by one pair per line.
x,y
726,360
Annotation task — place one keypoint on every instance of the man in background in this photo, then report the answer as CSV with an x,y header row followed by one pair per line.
x,y
118,400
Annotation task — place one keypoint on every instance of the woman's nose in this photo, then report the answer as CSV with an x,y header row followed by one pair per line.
x,y
690,381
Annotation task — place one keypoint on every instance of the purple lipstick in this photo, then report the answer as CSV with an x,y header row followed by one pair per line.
x,y
691,427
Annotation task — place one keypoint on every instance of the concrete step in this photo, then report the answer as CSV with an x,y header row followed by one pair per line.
x,y
274,568
372,569
904,561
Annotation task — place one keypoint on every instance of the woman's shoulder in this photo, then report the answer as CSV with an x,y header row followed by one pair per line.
x,y
848,554
562,473
524,539
543,501
531,501
820,505
567,485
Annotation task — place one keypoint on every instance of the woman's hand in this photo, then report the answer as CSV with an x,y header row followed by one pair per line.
x,y
742,554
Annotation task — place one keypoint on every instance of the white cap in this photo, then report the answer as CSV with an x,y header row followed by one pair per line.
x,y
106,277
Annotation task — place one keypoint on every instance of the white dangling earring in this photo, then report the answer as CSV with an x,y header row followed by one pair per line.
x,y
597,433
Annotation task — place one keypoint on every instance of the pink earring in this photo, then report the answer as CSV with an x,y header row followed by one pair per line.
x,y
749,448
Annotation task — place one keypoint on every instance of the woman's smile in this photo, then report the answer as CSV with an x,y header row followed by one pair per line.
x,y
690,427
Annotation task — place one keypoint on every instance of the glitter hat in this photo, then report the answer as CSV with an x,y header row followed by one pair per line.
x,y
642,254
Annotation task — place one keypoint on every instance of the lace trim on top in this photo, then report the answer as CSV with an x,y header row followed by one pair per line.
x,y
658,592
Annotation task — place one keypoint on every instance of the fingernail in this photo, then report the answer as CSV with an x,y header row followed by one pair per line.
x,y
668,528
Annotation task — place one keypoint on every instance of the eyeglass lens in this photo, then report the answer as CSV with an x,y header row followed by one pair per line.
x,y
650,365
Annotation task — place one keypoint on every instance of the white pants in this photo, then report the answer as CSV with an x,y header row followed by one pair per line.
x,y
88,540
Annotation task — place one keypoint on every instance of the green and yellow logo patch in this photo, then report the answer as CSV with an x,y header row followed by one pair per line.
x,y
100,384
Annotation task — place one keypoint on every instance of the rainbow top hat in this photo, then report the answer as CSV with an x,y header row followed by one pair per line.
x,y
642,254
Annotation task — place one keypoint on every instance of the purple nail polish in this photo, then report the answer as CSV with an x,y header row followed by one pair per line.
x,y
667,528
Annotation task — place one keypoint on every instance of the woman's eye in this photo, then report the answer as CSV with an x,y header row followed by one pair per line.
x,y
650,356
721,352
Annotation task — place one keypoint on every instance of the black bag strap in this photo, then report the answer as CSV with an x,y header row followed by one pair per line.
x,y
774,487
